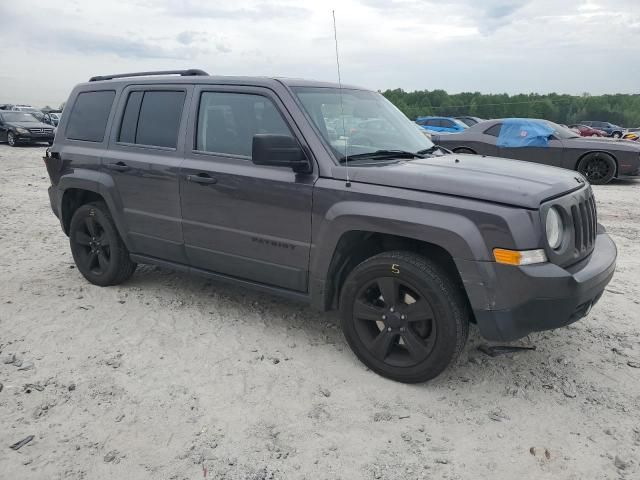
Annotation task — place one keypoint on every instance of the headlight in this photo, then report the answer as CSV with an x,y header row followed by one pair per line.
x,y
555,228
22,130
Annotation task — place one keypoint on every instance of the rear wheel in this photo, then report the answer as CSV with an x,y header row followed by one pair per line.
x,y
464,150
598,167
96,246
403,316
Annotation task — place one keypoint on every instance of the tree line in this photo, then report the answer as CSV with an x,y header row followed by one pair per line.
x,y
620,109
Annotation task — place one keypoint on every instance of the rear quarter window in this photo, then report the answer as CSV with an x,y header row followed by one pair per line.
x,y
89,116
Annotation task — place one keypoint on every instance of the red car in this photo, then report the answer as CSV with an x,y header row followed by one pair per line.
x,y
586,131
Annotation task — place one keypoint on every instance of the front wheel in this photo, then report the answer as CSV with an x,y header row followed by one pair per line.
x,y
617,135
598,167
11,139
403,316
100,254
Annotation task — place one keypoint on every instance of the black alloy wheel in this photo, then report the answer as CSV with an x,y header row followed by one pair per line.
x,y
99,252
395,321
403,316
11,139
94,250
599,168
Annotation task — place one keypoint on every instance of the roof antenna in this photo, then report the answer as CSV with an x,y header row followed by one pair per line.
x,y
344,131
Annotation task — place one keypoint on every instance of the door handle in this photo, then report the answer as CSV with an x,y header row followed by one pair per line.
x,y
118,167
203,178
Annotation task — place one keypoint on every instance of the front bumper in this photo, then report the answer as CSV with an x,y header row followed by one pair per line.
x,y
512,302
33,138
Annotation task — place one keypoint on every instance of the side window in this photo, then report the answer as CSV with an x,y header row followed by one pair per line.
x,y
152,118
432,122
88,118
494,130
227,122
130,118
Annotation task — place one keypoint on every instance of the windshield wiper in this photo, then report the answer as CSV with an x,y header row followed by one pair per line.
x,y
433,149
384,154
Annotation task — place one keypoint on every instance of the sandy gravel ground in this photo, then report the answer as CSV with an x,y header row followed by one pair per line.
x,y
174,377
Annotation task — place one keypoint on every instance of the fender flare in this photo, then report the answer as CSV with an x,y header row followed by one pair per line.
x,y
101,184
454,233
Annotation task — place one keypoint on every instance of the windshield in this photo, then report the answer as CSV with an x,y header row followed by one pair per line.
x,y
562,132
18,117
370,122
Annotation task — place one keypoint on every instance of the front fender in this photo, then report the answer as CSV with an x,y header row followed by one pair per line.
x,y
455,233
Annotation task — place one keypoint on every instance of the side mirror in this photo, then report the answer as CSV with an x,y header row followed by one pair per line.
x,y
279,151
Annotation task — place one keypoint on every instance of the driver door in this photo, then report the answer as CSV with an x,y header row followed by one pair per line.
x,y
240,219
552,154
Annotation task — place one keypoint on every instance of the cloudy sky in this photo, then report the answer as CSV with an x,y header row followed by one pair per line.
x,y
457,45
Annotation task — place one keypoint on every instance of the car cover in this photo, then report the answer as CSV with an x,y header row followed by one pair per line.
x,y
524,132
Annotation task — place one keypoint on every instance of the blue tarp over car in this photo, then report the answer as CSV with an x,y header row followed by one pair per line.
x,y
524,132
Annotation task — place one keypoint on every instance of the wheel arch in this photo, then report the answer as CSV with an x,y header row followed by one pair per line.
x,y
464,147
87,186
355,246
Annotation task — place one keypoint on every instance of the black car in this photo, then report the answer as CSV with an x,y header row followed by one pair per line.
x,y
52,118
21,127
469,121
238,179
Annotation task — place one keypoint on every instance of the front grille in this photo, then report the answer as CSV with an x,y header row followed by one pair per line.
x,y
41,131
585,223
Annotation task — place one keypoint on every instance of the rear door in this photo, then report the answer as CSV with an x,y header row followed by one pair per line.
x,y
144,158
240,219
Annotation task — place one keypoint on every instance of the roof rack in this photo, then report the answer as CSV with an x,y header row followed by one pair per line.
x,y
192,72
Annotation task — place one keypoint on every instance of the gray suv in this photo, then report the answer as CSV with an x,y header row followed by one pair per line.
x,y
258,182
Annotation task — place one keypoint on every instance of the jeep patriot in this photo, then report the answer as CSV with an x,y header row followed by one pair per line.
x,y
289,187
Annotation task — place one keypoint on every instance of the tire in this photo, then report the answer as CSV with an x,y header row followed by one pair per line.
x,y
598,167
616,134
464,150
97,249
414,337
11,139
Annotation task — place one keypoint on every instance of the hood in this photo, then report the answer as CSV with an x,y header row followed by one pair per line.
x,y
28,124
510,182
605,143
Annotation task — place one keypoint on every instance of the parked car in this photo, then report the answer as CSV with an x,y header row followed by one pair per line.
x,y
469,121
238,179
587,131
610,129
22,127
52,118
441,124
541,141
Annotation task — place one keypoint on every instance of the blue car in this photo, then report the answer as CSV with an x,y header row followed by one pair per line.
x,y
441,124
